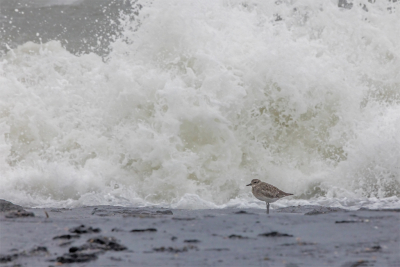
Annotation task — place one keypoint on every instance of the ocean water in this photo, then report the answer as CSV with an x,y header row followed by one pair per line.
x,y
181,103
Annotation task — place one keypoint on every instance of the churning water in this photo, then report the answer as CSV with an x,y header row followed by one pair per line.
x,y
181,103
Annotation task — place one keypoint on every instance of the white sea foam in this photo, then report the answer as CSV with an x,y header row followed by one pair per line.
x,y
197,98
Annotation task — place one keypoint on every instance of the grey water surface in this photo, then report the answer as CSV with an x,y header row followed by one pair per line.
x,y
82,26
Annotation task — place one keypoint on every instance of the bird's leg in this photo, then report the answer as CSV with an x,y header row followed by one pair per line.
x,y
267,208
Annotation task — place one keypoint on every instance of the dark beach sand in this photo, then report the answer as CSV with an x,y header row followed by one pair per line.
x,y
119,236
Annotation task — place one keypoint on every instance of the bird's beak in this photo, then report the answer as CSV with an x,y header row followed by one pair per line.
x,y
248,185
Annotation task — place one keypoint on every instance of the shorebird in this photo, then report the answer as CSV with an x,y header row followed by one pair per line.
x,y
266,192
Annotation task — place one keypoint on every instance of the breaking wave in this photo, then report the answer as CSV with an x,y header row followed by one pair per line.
x,y
195,99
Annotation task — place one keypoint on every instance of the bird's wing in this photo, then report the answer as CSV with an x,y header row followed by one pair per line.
x,y
269,190
283,194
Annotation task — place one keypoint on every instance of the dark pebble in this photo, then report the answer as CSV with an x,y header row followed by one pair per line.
x,y
82,229
275,234
104,243
243,212
76,257
191,241
174,250
8,206
66,236
360,263
351,221
8,258
19,214
144,230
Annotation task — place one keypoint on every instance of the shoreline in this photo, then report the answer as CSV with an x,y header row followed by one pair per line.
x,y
121,236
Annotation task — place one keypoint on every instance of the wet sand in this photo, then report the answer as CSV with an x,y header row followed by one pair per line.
x,y
120,236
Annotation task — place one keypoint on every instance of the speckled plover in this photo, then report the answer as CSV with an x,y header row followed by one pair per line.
x,y
266,192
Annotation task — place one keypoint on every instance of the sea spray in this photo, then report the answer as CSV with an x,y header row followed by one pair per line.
x,y
196,99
